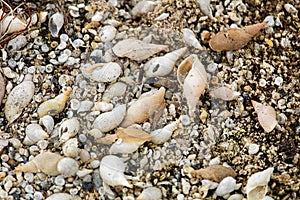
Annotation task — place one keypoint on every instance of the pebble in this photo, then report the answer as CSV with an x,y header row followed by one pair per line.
x,y
186,186
226,186
185,120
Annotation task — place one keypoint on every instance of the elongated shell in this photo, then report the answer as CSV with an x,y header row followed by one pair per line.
x,y
112,171
215,173
45,162
114,90
103,72
138,112
224,93
192,75
266,116
190,38
68,129
163,65
235,38
257,184
34,133
18,99
2,87
56,22
54,106
162,135
11,24
150,193
130,139
109,120
137,49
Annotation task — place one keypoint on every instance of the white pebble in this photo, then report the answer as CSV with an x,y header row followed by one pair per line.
x,y
267,198
185,120
253,148
95,164
226,186
236,197
108,33
214,161
285,42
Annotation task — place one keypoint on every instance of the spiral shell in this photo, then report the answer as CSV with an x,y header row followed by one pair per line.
x,y
162,135
68,128
67,167
70,148
192,75
34,133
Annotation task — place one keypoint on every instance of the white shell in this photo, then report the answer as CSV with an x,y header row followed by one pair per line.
x,y
143,7
114,90
102,72
69,128
10,24
67,167
257,184
190,38
107,33
48,122
56,22
194,83
70,148
34,133
110,120
18,99
150,193
226,186
112,171
163,65
162,135
224,93
63,196
205,7
124,147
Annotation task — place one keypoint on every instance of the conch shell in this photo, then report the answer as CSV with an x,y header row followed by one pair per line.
x,y
144,108
45,162
192,75
235,38
162,135
54,106
163,65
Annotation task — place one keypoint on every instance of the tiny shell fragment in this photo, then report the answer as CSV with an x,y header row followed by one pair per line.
x,y
266,116
143,7
63,196
235,38
136,49
224,93
215,173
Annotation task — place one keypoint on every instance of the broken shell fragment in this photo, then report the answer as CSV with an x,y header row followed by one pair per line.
x,y
136,49
150,193
129,140
138,112
190,38
257,184
266,116
109,120
56,22
215,173
18,99
235,38
192,75
205,7
162,135
45,162
68,129
34,133
163,65
102,72
112,171
143,7
224,93
54,106
114,90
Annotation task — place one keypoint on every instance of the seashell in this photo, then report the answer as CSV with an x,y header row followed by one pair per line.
x,y
138,112
10,24
107,33
103,106
192,75
54,106
136,49
85,106
235,38
150,193
56,22
205,7
109,120
215,173
115,90
42,16
67,167
70,148
102,72
143,7
257,184
63,196
130,139
34,133
190,38
69,128
224,93
107,139
163,65
18,99
112,171
48,122
2,87
290,8
266,116
226,186
45,162
162,135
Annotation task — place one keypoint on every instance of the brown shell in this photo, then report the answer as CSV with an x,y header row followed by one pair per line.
x,y
235,38
215,173
131,134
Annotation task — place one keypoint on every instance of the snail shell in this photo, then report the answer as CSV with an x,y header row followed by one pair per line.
x,y
48,122
34,133
70,148
162,135
235,38
56,22
69,128
150,193
67,167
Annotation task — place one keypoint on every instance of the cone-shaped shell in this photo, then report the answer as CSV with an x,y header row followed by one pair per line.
x,y
137,49
34,133
162,135
144,108
235,38
112,171
150,193
224,93
18,99
45,162
54,106
163,65
266,116
11,24
191,73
